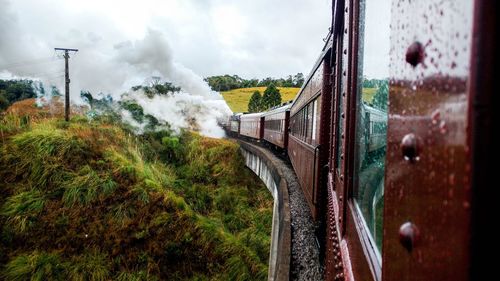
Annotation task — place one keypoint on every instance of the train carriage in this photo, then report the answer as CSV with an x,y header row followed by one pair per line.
x,y
390,139
309,119
252,125
276,122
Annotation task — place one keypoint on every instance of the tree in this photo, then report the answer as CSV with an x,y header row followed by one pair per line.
x,y
4,102
298,79
380,99
254,105
271,97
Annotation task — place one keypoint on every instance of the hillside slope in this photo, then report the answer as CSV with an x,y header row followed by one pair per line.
x,y
237,99
88,200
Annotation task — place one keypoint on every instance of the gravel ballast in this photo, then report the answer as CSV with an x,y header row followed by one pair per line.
x,y
305,264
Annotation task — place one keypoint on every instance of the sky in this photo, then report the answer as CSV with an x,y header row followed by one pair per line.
x,y
253,39
126,43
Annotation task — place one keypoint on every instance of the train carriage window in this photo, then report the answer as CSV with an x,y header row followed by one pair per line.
x,y
371,114
309,117
314,121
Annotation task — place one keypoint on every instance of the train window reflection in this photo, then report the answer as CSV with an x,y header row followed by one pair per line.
x,y
372,107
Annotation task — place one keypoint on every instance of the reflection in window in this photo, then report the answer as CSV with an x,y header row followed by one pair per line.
x,y
371,129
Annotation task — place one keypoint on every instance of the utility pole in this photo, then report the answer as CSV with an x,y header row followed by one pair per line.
x,y
66,70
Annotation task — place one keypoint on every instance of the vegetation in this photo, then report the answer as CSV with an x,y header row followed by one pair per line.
x,y
227,82
254,104
15,90
376,92
238,99
89,200
271,97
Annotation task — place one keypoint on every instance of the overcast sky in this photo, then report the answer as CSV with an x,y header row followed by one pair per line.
x,y
253,39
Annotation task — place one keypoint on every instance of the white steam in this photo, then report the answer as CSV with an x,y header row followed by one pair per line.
x,y
195,107
113,69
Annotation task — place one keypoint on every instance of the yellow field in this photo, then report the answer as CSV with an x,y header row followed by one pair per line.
x,y
368,94
237,99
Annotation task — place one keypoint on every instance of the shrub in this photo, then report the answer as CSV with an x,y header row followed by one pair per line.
x,y
21,210
37,266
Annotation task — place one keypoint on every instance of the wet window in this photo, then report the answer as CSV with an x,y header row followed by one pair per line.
x,y
315,119
371,114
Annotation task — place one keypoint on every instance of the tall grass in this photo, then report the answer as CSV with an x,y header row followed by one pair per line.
x,y
90,201
23,209
37,266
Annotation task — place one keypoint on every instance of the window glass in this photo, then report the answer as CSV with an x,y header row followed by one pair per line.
x,y
309,122
315,110
371,113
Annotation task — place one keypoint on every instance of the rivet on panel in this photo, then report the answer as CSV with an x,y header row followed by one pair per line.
x,y
408,235
409,147
415,53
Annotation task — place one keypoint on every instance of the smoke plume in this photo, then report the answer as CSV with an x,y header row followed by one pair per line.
x,y
99,67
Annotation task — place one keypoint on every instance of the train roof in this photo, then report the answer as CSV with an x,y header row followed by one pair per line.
x,y
251,115
282,108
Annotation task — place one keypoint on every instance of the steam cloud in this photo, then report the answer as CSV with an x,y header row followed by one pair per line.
x,y
113,70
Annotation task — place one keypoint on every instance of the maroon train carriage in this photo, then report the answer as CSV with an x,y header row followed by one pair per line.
x,y
393,161
276,122
409,138
252,125
309,120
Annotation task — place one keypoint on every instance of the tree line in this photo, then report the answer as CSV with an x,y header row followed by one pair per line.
x,y
16,90
228,82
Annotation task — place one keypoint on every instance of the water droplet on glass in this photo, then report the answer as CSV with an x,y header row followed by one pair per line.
x,y
443,128
435,116
451,179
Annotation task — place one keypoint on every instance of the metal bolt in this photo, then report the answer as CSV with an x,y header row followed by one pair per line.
x,y
409,147
408,235
415,53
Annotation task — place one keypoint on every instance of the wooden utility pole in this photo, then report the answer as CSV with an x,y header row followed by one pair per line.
x,y
66,70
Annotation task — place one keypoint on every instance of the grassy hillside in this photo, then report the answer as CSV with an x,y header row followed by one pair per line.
x,y
237,99
88,200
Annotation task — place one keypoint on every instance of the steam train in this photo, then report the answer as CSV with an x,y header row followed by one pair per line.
x,y
390,137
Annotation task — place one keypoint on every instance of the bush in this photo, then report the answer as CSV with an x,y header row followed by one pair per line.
x,y
23,209
37,266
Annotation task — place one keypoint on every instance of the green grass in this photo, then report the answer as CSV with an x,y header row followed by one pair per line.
x,y
237,99
87,200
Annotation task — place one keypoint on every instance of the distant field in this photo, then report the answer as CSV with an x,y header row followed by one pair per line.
x,y
237,99
368,94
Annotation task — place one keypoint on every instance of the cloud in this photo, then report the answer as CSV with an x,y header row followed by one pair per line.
x,y
122,45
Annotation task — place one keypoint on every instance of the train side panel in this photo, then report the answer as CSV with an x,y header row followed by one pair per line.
x,y
276,126
251,125
305,137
